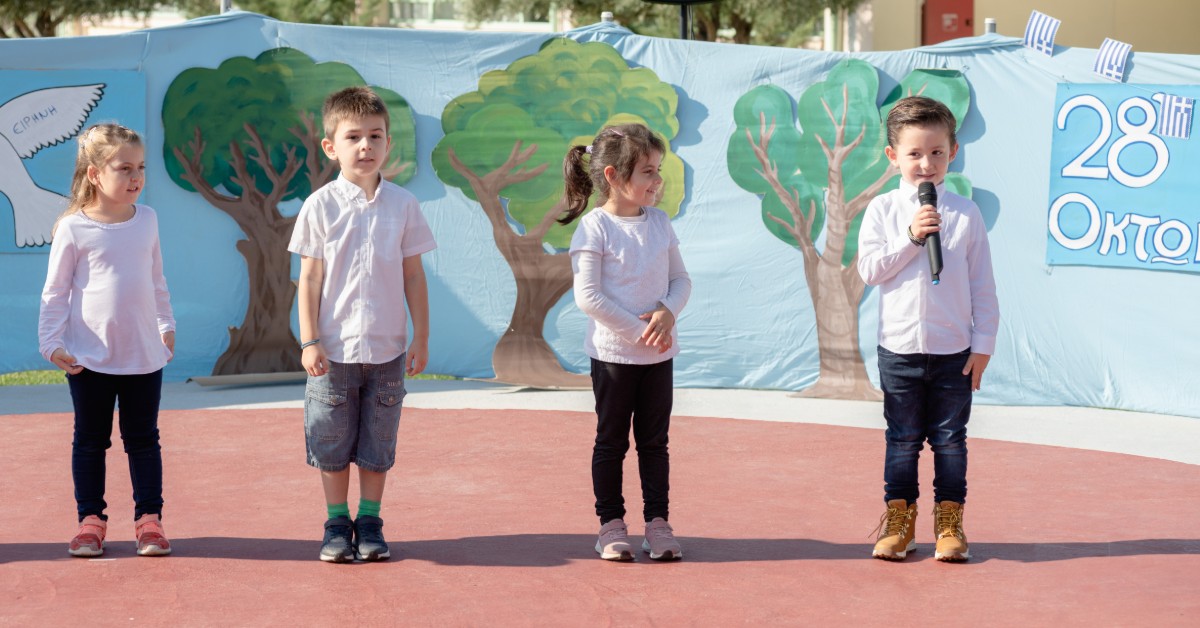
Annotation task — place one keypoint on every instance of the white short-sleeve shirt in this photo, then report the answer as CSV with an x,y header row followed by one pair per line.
x,y
362,317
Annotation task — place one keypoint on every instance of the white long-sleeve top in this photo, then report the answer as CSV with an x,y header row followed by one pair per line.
x,y
625,267
916,316
106,300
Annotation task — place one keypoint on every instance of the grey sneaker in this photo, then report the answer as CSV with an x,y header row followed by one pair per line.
x,y
660,541
368,539
613,543
338,545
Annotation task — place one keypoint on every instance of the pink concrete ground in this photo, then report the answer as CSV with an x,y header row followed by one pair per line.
x,y
489,514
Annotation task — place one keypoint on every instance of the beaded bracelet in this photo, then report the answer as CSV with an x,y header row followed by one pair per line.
x,y
914,239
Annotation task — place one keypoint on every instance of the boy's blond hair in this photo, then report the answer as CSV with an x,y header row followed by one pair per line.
x,y
353,102
920,111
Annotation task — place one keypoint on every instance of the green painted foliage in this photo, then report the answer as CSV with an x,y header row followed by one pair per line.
x,y
947,86
270,93
849,93
846,98
771,106
560,96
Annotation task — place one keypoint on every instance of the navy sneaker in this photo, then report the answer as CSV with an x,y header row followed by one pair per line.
x,y
338,545
368,539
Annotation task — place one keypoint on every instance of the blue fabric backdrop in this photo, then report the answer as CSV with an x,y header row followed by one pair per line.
x,y
1071,335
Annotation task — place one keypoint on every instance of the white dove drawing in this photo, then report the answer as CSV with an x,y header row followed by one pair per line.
x,y
29,123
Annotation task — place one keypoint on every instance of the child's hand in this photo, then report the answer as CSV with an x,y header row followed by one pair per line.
x,y
314,360
65,361
926,221
976,364
658,330
418,355
168,339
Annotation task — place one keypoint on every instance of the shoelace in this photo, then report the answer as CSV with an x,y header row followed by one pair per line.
x,y
949,522
896,521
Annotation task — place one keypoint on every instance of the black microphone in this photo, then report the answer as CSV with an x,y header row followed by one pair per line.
x,y
927,195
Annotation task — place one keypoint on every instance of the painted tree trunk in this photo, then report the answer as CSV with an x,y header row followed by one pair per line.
x,y
522,356
836,296
843,374
264,343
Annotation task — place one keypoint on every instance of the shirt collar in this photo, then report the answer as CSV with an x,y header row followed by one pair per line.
x,y
351,192
909,191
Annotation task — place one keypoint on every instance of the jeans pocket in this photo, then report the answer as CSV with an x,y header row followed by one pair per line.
x,y
387,412
325,414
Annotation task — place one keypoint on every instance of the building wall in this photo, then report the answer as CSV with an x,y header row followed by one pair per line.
x,y
1149,25
896,24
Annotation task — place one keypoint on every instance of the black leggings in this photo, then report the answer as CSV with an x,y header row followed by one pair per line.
x,y
95,395
641,395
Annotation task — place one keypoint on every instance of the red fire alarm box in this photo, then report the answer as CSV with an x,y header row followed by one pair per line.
x,y
943,20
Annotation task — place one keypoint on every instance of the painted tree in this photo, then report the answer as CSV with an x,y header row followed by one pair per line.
x,y
820,176
503,147
246,137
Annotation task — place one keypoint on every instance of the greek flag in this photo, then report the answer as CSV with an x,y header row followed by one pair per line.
x,y
1175,115
1040,32
1111,58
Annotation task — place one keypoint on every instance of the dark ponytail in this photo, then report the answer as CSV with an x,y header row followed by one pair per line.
x,y
578,183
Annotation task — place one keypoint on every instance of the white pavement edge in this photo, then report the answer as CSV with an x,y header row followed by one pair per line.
x,y
1135,433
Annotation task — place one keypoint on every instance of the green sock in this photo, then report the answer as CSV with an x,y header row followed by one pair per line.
x,y
338,510
368,507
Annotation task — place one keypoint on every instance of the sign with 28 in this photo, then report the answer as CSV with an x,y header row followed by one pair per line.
x,y
1121,194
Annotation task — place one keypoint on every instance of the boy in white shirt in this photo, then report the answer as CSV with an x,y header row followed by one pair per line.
x,y
360,240
935,339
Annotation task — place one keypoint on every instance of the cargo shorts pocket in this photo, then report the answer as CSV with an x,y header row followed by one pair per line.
x,y
325,414
387,412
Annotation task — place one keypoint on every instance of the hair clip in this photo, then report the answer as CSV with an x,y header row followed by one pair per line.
x,y
588,149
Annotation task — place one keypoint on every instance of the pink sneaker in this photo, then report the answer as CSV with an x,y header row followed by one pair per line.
x,y
151,541
89,541
613,543
660,541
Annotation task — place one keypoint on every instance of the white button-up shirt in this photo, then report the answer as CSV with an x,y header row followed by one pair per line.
x,y
916,316
362,317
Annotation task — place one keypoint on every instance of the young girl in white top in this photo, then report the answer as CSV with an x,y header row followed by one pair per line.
x,y
106,320
631,282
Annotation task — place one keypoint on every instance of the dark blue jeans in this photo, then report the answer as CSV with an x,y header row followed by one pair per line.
x,y
137,396
641,395
925,397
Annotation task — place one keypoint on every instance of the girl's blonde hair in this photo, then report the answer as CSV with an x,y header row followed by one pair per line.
x,y
96,146
583,168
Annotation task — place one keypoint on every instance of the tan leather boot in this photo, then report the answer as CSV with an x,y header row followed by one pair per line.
x,y
896,531
948,530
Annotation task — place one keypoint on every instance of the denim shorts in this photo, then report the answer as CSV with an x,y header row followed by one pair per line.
x,y
352,413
